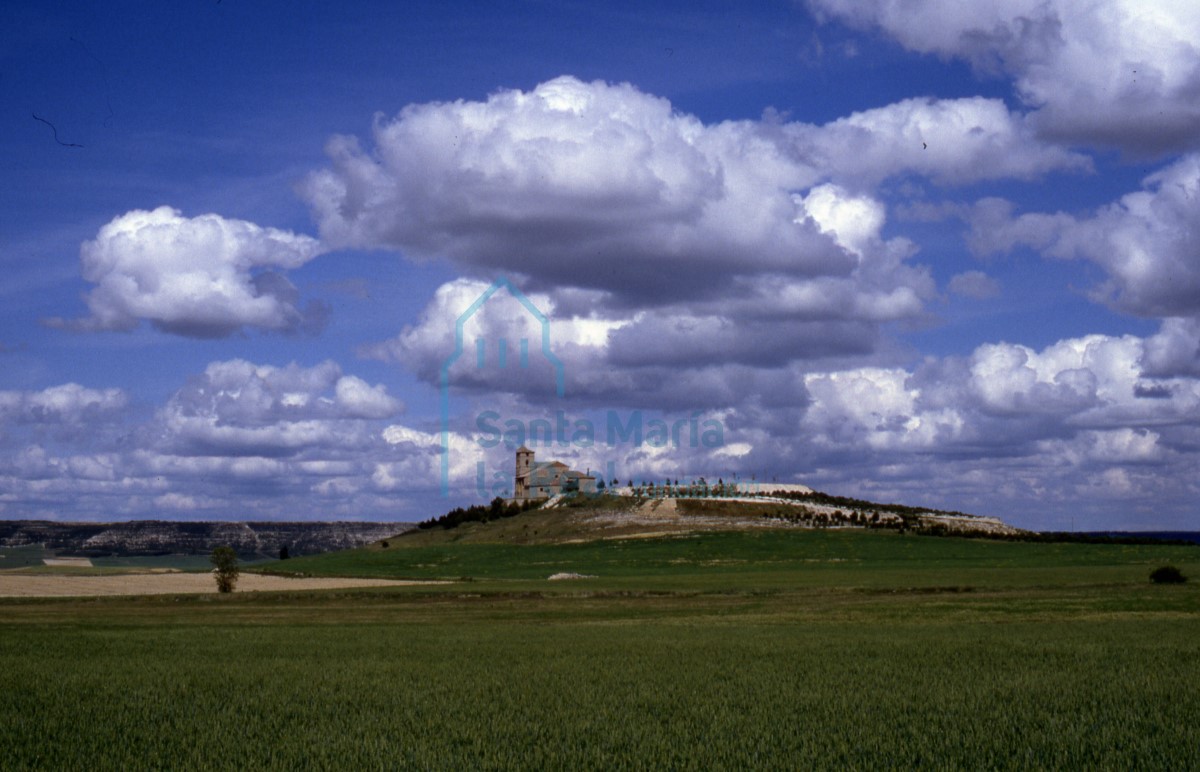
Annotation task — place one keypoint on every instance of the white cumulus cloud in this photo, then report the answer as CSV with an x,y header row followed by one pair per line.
x,y
1147,241
950,141
605,188
66,403
1117,72
238,408
205,276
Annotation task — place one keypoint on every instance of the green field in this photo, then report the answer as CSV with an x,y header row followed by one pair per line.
x,y
177,562
757,560
23,557
782,649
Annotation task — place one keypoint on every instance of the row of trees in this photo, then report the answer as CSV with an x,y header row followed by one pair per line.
x,y
478,513
696,489
802,515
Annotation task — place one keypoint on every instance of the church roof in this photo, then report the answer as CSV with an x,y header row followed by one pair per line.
x,y
524,449
548,464
546,470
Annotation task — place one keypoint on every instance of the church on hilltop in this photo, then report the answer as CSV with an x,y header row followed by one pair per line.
x,y
545,479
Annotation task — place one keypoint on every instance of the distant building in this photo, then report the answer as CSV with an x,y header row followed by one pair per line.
x,y
544,479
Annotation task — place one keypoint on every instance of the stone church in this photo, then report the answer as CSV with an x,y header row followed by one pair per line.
x,y
544,479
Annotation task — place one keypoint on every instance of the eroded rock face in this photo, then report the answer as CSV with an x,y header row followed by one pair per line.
x,y
160,537
971,524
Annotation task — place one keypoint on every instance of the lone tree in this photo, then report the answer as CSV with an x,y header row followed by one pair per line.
x,y
225,572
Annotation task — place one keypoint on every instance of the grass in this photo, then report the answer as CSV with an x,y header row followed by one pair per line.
x,y
760,560
781,649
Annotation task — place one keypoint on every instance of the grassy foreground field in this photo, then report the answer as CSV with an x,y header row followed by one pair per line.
x,y
773,650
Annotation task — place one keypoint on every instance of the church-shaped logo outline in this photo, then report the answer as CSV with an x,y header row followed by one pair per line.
x,y
501,282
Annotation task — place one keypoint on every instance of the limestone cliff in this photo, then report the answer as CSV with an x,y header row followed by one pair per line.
x,y
162,537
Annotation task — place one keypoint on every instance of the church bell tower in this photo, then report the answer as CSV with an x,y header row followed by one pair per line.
x,y
524,466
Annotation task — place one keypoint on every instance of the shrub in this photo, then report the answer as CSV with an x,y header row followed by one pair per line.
x,y
1167,575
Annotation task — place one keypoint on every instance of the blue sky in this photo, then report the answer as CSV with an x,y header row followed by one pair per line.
x,y
920,252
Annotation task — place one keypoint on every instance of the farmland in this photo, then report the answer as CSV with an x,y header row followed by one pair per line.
x,y
768,649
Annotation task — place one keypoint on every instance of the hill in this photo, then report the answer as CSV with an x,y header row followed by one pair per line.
x,y
669,537
662,512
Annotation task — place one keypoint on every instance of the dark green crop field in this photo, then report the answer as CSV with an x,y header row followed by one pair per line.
x,y
759,559
773,650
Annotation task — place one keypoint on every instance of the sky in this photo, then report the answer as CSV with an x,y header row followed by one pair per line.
x,y
313,261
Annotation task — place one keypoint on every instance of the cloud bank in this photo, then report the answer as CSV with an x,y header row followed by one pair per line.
x,y
699,254
1092,419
